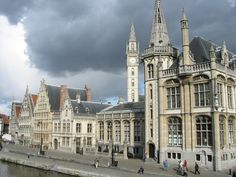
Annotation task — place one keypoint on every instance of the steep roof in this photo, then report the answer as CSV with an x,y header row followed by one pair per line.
x,y
54,95
34,98
200,48
128,106
86,107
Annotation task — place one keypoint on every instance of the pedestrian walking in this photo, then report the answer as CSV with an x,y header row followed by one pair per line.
x,y
141,170
165,165
234,173
96,163
196,168
186,165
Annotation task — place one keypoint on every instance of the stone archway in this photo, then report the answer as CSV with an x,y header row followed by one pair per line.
x,y
55,144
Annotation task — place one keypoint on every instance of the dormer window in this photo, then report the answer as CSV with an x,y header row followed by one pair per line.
x,y
87,110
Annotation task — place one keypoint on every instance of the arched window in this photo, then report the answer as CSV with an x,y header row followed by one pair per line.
x,y
204,131
231,130
117,131
222,131
150,71
175,131
137,131
132,82
132,71
101,131
127,131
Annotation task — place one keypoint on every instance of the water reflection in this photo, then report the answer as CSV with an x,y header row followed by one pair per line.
x,y
13,170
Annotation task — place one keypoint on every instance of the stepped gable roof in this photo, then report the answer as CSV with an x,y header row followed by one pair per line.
x,y
128,106
86,107
54,97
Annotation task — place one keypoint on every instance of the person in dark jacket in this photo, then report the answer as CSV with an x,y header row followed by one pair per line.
x,y
196,168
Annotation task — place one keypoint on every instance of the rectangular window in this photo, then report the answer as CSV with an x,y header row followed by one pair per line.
x,y
230,97
64,127
209,157
89,141
89,128
198,157
169,155
179,155
202,94
173,97
55,127
220,94
67,141
59,127
78,127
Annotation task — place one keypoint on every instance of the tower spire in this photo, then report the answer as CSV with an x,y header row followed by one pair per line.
x,y
159,34
132,35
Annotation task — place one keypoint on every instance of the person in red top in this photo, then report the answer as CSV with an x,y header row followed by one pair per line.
x,y
186,165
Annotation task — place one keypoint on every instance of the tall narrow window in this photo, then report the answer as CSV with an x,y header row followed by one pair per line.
x,y
78,127
117,131
68,127
109,131
173,97
101,131
89,141
137,131
220,94
231,130
202,94
89,128
132,71
127,131
151,91
230,97
175,131
204,131
150,71
132,82
151,112
222,132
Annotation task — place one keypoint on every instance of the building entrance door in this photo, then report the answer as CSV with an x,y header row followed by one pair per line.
x,y
55,144
78,145
151,150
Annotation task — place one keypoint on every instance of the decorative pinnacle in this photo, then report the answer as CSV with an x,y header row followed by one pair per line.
x,y
184,17
132,36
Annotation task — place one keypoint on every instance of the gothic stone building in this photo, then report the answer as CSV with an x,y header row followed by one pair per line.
x,y
190,105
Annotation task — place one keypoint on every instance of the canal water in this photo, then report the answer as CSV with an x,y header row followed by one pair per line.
x,y
13,170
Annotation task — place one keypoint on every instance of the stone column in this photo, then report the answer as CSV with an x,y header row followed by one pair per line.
x,y
216,145
125,152
105,132
131,133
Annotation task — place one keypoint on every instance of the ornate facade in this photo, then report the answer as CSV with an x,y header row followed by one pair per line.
x,y
190,99
74,131
14,120
48,107
25,134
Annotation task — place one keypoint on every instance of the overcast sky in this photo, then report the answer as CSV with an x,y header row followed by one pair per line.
x,y
78,42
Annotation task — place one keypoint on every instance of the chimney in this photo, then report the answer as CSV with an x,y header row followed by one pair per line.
x,y
78,97
88,93
63,95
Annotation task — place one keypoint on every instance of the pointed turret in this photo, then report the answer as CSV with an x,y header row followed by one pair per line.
x,y
132,35
185,39
159,34
224,54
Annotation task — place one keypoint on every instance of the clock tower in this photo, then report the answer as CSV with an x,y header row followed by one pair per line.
x,y
132,52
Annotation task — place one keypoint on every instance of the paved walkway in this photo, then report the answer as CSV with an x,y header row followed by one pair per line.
x,y
82,165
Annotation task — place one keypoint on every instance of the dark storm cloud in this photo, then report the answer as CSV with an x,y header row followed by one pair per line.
x,y
14,9
74,35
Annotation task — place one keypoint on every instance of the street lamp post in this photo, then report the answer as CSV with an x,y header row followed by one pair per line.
x,y
112,149
41,138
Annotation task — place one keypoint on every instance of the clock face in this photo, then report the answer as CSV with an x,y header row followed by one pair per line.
x,y
132,60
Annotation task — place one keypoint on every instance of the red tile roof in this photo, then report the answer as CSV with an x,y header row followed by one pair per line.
x,y
18,111
34,98
5,118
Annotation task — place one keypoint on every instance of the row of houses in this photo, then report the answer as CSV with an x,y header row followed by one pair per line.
x,y
66,119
